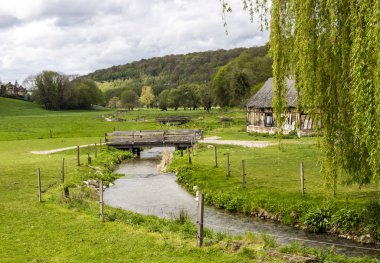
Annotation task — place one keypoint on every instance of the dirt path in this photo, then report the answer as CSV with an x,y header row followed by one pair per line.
x,y
60,149
254,144
210,140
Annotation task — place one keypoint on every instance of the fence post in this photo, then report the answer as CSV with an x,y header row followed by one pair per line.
x,y
88,158
216,156
188,155
63,170
302,178
78,159
101,200
243,172
200,219
96,151
51,135
39,184
192,147
181,152
228,164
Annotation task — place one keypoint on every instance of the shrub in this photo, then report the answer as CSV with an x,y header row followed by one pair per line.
x,y
346,220
318,220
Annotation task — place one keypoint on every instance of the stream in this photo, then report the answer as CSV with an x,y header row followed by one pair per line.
x,y
145,190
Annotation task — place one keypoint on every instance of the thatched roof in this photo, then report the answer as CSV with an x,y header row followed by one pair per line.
x,y
264,97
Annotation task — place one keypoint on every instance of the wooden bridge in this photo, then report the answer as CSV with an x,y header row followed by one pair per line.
x,y
135,140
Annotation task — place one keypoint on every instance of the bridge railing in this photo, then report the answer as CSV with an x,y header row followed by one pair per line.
x,y
153,136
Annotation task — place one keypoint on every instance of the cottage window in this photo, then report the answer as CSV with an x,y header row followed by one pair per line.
x,y
268,121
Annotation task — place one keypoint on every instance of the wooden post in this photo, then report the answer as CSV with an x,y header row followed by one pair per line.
x,y
302,179
96,151
188,155
78,159
216,156
181,152
192,147
101,201
200,219
51,135
39,185
243,172
228,164
63,170
88,158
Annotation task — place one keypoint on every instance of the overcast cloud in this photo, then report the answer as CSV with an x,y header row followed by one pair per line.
x,y
80,36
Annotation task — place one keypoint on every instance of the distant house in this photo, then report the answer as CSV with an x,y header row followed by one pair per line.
x,y
14,90
260,115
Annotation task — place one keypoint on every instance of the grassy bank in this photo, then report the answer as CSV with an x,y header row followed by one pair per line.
x,y
273,188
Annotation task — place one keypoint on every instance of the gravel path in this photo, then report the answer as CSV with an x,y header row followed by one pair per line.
x,y
255,144
60,149
209,140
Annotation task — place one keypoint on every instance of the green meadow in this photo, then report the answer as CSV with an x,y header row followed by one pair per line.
x,y
61,230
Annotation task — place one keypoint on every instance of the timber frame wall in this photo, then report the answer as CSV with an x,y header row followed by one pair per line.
x,y
262,120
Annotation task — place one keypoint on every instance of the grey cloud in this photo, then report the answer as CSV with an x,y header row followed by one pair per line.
x,y
7,21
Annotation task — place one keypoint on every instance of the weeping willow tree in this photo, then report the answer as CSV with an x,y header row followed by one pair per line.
x,y
332,50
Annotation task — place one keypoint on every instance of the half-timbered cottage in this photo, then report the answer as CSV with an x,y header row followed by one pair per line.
x,y
260,115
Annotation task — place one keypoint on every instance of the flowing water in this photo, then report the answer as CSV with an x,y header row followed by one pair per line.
x,y
147,191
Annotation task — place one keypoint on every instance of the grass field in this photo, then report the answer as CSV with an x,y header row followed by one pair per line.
x,y
273,184
56,231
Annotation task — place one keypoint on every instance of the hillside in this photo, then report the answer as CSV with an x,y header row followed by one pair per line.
x,y
195,67
171,71
14,107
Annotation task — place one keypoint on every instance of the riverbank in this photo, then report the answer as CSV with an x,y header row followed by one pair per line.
x,y
272,189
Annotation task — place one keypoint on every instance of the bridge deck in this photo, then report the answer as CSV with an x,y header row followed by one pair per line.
x,y
137,139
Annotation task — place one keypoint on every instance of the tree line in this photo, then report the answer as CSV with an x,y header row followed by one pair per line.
x,y
56,91
231,85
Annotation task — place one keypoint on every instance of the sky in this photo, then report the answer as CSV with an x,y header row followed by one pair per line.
x,y
81,36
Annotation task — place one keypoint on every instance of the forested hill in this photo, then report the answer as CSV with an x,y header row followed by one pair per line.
x,y
171,70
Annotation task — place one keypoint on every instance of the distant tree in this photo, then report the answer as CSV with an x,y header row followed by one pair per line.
x,y
221,88
114,102
240,89
129,99
2,89
190,97
175,98
147,97
206,96
163,100
56,92
29,82
86,93
49,88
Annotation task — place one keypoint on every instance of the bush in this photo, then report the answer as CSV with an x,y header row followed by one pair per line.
x,y
319,220
346,220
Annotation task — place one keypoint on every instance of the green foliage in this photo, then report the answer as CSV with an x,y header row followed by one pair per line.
x,y
55,91
170,71
318,220
232,83
332,50
346,220
147,97
163,99
129,99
